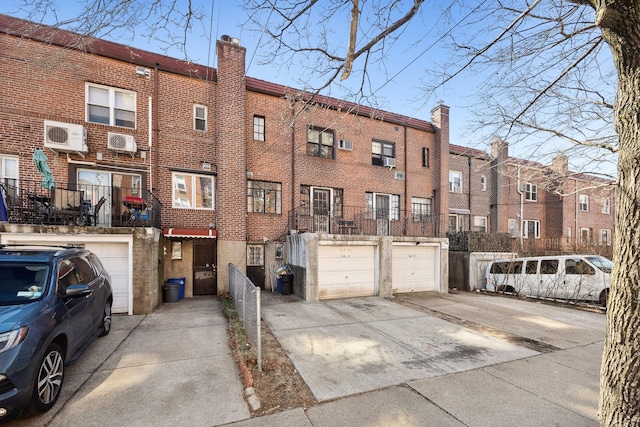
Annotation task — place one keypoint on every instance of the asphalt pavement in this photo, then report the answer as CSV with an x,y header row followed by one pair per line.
x,y
462,359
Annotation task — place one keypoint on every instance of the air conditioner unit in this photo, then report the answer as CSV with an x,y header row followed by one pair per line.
x,y
66,137
399,176
389,162
121,143
345,145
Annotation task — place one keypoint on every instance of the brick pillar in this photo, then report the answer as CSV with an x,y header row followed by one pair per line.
x,y
230,122
440,119
498,220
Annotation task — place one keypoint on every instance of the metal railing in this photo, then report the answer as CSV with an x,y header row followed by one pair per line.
x,y
28,202
358,220
246,298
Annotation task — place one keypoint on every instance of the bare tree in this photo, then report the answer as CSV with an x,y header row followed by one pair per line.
x,y
547,77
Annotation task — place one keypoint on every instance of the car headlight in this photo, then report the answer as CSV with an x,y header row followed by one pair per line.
x,y
10,339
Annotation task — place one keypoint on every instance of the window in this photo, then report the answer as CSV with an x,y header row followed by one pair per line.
x,y
255,255
585,235
258,128
425,157
480,223
549,266
320,143
383,206
577,266
483,183
382,150
569,232
421,209
9,170
584,203
531,192
199,117
605,237
110,106
455,182
606,206
455,222
192,191
512,226
531,267
531,229
264,197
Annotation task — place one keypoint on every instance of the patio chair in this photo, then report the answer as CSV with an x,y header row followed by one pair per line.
x,y
66,206
96,209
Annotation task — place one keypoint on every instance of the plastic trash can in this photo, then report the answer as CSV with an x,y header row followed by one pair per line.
x,y
285,284
180,281
171,292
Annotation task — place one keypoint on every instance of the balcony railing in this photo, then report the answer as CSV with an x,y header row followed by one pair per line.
x,y
357,220
28,202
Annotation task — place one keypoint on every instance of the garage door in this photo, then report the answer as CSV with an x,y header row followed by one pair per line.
x,y
346,271
115,259
414,268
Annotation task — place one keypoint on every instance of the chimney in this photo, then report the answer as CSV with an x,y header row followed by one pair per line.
x,y
440,120
560,164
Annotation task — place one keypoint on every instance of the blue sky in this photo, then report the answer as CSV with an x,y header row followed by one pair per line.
x,y
402,93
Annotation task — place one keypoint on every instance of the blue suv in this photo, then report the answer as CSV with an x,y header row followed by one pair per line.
x,y
53,303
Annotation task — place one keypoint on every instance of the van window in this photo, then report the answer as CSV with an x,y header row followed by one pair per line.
x,y
601,262
531,267
548,266
578,266
506,267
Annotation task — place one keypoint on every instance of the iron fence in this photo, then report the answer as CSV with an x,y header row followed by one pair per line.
x,y
28,202
246,298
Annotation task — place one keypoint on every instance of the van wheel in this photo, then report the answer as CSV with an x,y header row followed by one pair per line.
x,y
604,296
48,382
505,288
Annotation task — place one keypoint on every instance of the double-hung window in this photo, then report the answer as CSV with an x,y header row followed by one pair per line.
x,y
531,229
531,192
584,203
320,143
192,191
264,197
258,128
455,182
200,117
9,170
110,106
606,206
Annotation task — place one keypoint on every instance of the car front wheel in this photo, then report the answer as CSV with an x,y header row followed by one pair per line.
x,y
105,327
48,382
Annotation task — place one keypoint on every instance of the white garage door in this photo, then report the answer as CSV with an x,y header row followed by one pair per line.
x,y
115,258
414,268
346,271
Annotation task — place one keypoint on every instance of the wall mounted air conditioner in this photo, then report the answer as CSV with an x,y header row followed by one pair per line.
x,y
343,144
66,137
389,162
121,143
399,176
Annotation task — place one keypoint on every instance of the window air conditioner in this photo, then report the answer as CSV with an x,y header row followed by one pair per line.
x,y
389,162
121,143
66,137
343,144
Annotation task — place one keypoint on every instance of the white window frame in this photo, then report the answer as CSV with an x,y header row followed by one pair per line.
x,y
605,237
6,174
455,182
200,114
584,230
111,105
259,127
183,197
483,183
420,208
480,223
530,192
606,206
584,203
525,228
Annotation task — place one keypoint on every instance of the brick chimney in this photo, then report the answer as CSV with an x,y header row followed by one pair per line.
x,y
440,120
498,218
560,164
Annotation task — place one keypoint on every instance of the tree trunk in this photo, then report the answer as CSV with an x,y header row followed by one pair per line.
x,y
620,373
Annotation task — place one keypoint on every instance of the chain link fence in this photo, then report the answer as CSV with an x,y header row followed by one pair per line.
x,y
246,298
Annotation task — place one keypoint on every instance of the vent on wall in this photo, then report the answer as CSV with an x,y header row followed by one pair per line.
x,y
66,137
399,176
122,143
343,144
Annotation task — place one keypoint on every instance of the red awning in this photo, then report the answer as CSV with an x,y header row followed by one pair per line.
x,y
190,233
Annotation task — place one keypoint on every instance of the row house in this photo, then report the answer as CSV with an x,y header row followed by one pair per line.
x,y
172,170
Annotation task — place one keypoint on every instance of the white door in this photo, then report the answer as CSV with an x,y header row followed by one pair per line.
x,y
415,268
115,259
346,271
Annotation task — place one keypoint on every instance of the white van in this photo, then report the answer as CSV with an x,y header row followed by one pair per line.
x,y
567,277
